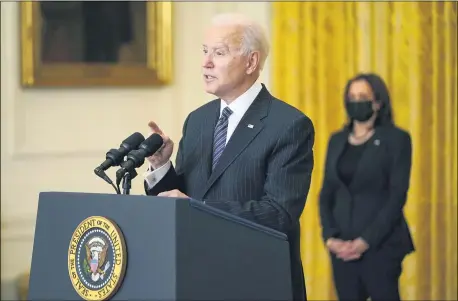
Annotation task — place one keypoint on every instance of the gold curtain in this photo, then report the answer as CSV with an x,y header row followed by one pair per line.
x,y
317,47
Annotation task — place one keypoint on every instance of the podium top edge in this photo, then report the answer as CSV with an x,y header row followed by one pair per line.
x,y
223,214
196,204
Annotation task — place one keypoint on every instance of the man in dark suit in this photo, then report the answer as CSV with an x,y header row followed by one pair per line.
x,y
247,152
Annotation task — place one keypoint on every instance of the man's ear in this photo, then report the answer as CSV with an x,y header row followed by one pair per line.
x,y
253,62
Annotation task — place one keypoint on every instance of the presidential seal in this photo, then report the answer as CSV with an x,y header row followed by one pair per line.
x,y
97,258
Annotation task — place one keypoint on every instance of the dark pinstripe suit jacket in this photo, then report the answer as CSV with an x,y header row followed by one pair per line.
x,y
263,174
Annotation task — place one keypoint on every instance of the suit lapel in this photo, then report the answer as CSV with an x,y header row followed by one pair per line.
x,y
207,129
339,148
248,128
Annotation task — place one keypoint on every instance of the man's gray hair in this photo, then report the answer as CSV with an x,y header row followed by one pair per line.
x,y
253,35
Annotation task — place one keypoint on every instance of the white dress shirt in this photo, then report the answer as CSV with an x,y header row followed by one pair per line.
x,y
239,107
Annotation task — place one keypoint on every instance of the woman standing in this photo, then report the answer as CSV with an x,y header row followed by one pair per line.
x,y
366,179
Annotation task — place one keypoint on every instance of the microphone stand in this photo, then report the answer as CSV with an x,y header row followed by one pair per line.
x,y
127,181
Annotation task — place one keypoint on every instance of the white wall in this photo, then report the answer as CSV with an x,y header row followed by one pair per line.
x,y
51,139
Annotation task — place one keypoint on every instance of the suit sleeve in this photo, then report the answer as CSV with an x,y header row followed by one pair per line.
x,y
173,179
287,183
326,199
399,179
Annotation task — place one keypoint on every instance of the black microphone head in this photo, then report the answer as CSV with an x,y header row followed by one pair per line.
x,y
152,144
132,142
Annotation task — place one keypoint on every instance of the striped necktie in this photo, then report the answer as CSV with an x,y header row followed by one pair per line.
x,y
219,138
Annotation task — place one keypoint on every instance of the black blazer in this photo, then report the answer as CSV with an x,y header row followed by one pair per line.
x,y
263,174
371,206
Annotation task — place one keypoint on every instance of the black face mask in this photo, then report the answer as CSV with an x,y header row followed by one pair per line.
x,y
359,110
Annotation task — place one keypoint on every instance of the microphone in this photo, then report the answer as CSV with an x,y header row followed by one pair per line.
x,y
136,158
114,157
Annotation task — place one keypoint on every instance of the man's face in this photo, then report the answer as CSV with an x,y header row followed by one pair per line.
x,y
224,68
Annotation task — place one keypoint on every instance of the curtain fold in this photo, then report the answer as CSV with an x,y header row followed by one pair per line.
x,y
317,47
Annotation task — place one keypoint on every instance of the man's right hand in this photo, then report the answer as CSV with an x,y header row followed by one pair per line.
x,y
162,156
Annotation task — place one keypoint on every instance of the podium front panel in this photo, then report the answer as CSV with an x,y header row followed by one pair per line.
x,y
148,228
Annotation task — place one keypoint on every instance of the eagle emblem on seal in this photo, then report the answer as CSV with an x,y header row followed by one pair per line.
x,y
96,253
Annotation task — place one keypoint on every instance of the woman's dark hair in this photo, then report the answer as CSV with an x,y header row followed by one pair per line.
x,y
382,95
